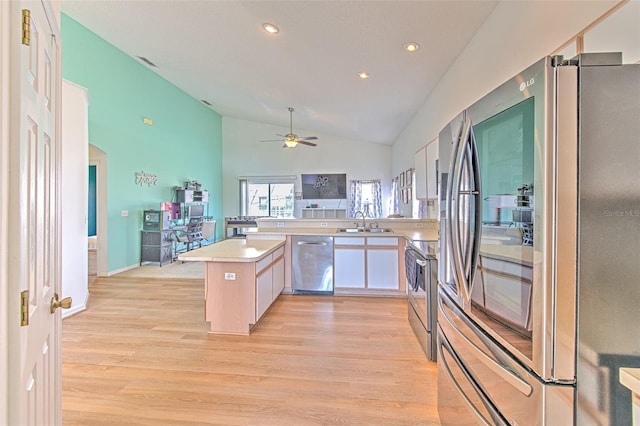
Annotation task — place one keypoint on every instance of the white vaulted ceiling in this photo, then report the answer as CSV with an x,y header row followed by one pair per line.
x,y
218,51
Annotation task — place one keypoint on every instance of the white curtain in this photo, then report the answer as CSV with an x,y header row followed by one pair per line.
x,y
371,206
355,197
377,198
395,196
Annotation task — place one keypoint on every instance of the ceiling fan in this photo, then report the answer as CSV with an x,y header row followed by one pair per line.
x,y
291,139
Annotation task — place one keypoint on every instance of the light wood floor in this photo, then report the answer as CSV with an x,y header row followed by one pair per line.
x,y
141,355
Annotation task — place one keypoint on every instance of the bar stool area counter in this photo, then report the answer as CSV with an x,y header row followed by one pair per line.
x,y
242,279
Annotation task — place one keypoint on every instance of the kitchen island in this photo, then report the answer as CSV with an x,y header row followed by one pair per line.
x,y
242,279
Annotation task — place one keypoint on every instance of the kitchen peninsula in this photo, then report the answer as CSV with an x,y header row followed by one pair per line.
x,y
242,279
243,276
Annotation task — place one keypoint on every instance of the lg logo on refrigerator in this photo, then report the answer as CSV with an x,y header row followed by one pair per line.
x,y
526,84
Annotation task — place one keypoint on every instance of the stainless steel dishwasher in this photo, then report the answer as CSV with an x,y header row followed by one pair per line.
x,y
312,264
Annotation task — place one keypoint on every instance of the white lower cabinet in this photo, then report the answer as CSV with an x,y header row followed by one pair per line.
x,y
278,278
264,292
269,280
348,268
382,269
366,263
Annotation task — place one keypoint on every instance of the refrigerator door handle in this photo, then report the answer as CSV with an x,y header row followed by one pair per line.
x,y
474,162
453,187
311,243
496,419
504,371
465,259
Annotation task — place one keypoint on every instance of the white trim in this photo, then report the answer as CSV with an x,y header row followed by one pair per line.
x,y
125,269
98,158
76,308
4,191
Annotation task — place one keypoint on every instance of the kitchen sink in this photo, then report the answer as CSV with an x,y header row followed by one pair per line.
x,y
373,230
350,230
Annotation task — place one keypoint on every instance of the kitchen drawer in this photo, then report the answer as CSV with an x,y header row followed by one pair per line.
x,y
349,241
382,241
264,262
278,253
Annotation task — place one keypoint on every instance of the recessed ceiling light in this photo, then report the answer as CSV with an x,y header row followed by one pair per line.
x,y
270,28
363,75
411,46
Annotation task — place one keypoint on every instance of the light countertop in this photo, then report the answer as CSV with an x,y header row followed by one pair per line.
x,y
630,378
232,250
414,234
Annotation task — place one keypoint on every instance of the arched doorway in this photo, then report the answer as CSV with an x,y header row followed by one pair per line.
x,y
98,158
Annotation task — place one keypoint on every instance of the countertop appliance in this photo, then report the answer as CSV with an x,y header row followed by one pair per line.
x,y
311,264
421,267
535,333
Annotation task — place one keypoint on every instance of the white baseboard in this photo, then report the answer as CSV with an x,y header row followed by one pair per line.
x,y
126,268
76,309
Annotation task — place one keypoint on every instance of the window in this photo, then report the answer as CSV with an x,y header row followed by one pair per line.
x,y
365,196
267,197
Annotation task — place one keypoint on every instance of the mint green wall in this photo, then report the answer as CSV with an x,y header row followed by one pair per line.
x,y
184,142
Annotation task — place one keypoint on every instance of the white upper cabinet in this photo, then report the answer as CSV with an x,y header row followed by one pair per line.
x,y
420,167
432,169
426,169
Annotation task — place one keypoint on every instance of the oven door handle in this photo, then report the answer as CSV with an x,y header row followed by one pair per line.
x,y
504,371
496,419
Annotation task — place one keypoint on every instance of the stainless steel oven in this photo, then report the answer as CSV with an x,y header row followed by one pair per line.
x,y
422,286
537,178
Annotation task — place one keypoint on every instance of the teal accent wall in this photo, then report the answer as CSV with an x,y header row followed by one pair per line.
x,y
184,142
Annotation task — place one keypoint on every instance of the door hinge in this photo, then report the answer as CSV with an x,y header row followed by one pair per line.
x,y
26,27
24,308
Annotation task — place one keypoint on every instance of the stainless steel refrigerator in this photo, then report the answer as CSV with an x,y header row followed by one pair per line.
x,y
539,269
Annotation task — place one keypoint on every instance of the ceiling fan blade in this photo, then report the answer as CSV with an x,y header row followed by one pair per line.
x,y
272,140
308,138
282,136
306,143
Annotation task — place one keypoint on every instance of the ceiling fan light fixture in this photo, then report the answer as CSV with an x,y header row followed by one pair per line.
x,y
290,143
270,28
411,46
363,75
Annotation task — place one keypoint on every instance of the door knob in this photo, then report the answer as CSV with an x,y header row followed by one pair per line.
x,y
55,303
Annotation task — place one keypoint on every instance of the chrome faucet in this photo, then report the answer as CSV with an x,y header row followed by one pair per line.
x,y
355,215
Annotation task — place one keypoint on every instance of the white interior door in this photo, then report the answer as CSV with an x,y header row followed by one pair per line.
x,y
33,219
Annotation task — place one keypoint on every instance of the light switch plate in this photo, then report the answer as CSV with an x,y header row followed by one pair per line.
x,y
230,276
124,213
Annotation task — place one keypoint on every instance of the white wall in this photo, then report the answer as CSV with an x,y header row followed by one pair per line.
x,y
620,32
74,165
514,36
244,155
